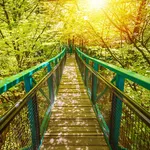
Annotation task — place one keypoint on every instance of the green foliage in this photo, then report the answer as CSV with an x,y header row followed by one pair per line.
x,y
25,27
30,33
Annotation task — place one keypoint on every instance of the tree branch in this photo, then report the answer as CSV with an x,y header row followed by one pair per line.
x,y
32,11
108,49
39,36
4,37
6,13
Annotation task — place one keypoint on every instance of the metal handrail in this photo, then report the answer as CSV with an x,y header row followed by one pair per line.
x,y
31,108
121,106
9,82
139,79
19,105
140,111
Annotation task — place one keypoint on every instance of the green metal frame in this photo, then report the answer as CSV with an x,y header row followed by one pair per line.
x,y
117,101
94,84
31,90
116,114
31,110
127,74
121,75
9,82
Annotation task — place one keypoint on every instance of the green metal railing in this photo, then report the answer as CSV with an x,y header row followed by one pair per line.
x,y
125,124
23,126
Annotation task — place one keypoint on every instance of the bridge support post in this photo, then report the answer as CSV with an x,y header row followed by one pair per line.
x,y
57,77
86,73
94,84
33,114
50,86
116,113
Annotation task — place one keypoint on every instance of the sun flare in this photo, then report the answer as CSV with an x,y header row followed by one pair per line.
x,y
97,4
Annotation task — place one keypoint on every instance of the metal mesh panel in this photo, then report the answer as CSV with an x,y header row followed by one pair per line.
x,y
62,66
138,94
134,133
83,72
10,97
39,74
106,73
104,101
118,111
17,134
82,68
89,82
86,77
54,81
57,76
43,101
23,126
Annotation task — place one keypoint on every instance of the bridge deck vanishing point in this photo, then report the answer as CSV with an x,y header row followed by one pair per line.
x,y
73,124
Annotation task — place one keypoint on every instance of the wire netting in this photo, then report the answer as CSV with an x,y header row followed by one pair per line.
x,y
117,110
17,134
104,101
27,122
10,97
134,133
43,101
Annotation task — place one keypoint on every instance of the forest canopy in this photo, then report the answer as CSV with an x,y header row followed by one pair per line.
x,y
33,31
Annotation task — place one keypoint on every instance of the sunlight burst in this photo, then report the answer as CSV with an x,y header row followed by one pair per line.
x,y
97,4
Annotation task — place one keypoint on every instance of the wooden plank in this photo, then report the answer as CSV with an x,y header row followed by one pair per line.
x,y
71,86
72,103
75,134
72,90
75,141
75,115
73,122
73,109
74,119
50,147
77,129
69,99
72,95
71,80
72,77
70,83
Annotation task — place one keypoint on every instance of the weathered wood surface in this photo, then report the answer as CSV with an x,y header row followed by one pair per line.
x,y
73,124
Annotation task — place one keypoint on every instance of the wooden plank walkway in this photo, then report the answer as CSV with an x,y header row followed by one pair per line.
x,y
73,124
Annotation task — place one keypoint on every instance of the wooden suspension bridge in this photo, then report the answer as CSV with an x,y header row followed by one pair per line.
x,y
69,109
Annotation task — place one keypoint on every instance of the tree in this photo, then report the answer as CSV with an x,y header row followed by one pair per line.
x,y
25,26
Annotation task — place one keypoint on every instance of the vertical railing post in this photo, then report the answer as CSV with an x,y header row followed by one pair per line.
x,y
116,115
83,69
94,84
59,70
57,75
33,114
50,85
86,73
